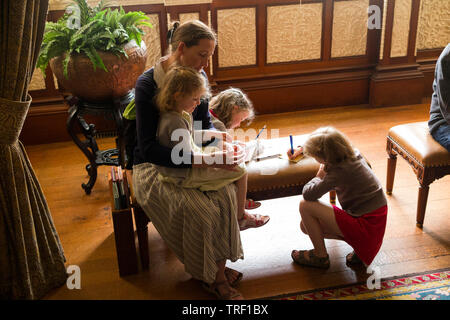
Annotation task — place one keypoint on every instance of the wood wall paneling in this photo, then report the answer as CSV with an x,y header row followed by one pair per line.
x,y
320,72
293,33
401,28
349,37
278,84
433,31
399,79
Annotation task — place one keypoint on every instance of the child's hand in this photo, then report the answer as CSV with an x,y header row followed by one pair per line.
x,y
239,143
234,151
297,152
239,153
226,137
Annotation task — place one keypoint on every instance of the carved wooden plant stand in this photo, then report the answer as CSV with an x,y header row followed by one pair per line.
x,y
110,110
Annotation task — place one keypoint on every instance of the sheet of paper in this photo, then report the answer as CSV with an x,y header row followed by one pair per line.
x,y
267,152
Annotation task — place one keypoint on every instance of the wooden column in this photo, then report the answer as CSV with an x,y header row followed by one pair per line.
x,y
397,80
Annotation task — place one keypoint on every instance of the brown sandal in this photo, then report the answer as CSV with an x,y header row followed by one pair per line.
x,y
352,259
313,261
231,294
229,273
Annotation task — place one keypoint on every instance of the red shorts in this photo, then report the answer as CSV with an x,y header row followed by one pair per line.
x,y
364,234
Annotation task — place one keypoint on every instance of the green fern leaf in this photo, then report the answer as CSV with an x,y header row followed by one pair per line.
x,y
84,11
101,5
101,29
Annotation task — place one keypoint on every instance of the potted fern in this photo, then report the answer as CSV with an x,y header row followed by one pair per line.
x,y
96,53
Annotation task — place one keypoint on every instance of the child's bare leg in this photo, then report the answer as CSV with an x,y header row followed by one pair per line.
x,y
241,195
319,223
325,234
245,219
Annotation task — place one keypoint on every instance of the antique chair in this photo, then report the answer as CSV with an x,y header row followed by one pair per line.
x,y
429,160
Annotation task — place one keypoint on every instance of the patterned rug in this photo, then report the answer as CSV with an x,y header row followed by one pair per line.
x,y
433,285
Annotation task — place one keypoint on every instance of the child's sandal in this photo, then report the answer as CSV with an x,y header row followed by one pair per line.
x,y
251,204
352,259
313,261
252,221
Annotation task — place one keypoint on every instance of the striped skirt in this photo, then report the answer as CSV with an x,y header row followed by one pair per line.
x,y
199,227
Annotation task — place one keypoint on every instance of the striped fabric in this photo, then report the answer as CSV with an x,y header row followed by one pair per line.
x,y
199,227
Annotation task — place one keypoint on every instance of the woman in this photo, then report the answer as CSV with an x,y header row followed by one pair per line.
x,y
200,227
439,122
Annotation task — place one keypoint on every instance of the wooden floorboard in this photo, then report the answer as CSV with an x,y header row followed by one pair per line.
x,y
84,222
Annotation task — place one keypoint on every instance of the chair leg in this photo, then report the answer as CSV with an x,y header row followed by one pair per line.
x,y
141,221
422,204
391,164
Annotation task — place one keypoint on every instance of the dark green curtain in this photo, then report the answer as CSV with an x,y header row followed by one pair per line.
x,y
31,256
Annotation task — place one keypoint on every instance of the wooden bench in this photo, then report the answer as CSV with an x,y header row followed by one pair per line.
x,y
429,160
267,179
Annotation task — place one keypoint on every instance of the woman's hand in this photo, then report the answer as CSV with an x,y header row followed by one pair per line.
x,y
296,153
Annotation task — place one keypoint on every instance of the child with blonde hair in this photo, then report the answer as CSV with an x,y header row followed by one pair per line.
x,y
228,110
362,220
181,91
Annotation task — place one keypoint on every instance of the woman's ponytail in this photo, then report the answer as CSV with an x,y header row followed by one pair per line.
x,y
172,31
190,33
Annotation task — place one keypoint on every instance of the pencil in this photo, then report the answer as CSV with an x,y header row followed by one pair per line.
x,y
292,145
260,132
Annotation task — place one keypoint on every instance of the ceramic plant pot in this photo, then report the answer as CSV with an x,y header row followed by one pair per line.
x,y
99,85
